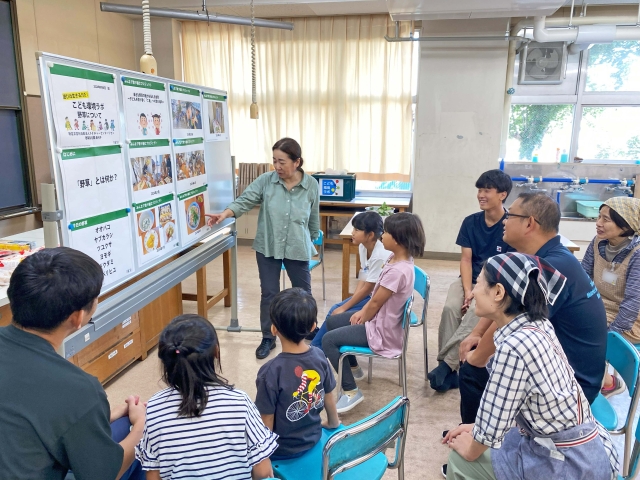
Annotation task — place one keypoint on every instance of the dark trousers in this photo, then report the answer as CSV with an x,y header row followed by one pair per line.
x,y
119,431
473,381
340,333
269,269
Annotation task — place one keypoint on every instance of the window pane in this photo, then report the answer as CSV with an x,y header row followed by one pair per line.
x,y
544,130
610,133
12,193
614,67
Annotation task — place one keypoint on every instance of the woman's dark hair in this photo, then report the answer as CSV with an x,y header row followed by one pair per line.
x,y
293,312
535,303
406,229
369,222
291,148
495,179
190,352
50,285
620,222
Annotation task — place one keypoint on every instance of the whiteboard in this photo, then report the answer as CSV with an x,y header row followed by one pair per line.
x,y
137,162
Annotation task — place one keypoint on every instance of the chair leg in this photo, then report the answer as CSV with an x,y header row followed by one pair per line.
x,y
370,372
340,377
424,342
400,371
403,363
323,288
283,275
401,469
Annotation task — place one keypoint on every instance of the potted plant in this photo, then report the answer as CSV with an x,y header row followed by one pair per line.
x,y
384,210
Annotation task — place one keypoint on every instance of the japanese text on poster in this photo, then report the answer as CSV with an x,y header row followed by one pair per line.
x,y
85,107
216,124
107,239
146,109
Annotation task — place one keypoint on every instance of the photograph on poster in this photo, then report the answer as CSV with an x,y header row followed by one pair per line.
x,y
186,115
190,164
216,117
151,171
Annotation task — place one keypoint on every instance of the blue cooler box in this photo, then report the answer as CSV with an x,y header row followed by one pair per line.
x,y
337,188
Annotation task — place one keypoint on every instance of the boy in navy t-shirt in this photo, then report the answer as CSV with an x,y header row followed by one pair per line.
x,y
480,237
294,387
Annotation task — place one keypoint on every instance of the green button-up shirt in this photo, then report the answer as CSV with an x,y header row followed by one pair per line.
x,y
289,220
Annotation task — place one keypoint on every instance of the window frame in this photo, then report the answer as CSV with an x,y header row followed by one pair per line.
x,y
581,99
24,137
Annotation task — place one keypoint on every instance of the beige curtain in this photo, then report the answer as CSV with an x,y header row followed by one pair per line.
x,y
333,83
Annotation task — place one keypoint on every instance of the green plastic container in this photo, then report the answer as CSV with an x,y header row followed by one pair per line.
x,y
589,208
337,188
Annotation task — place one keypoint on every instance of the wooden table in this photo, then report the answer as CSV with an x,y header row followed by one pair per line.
x,y
332,208
348,248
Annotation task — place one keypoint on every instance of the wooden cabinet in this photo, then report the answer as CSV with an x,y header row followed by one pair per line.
x,y
247,224
116,358
157,315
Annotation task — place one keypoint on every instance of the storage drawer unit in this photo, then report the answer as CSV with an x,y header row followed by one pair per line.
x,y
116,358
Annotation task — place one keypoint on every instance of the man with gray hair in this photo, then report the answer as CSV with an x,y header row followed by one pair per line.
x,y
578,314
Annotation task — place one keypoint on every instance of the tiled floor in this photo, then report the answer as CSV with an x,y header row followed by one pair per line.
x,y
430,412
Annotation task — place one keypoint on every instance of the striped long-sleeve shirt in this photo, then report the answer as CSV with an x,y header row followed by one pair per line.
x,y
223,443
630,306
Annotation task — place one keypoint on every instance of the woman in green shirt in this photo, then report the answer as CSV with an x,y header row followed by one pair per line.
x,y
288,223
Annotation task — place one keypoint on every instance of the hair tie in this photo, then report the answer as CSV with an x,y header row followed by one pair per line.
x,y
177,352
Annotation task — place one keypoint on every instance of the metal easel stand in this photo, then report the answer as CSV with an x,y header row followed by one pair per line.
x,y
50,215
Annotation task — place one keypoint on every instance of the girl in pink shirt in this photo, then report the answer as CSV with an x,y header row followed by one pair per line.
x,y
378,325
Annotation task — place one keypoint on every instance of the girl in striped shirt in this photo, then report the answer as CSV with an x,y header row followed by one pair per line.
x,y
200,426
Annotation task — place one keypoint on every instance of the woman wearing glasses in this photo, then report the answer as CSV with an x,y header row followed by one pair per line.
x,y
531,384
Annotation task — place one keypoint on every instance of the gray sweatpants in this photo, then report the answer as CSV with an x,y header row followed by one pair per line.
x,y
453,326
340,333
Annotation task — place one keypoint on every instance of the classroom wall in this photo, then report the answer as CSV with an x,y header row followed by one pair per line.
x,y
74,28
458,126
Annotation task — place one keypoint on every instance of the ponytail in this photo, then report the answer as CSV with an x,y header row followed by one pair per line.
x,y
190,352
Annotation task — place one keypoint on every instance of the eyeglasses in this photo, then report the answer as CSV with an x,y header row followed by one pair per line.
x,y
507,215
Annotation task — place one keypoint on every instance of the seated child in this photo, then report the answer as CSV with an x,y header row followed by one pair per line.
x,y
201,426
379,324
367,230
295,386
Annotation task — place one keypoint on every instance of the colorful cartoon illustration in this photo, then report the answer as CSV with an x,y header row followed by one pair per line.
x,y
67,123
100,125
143,123
113,126
92,126
307,394
75,124
84,125
156,122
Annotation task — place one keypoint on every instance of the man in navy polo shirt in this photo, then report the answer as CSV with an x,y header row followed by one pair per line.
x,y
578,314
480,237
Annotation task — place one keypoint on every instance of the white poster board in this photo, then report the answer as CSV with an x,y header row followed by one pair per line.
x,y
146,109
186,111
216,127
85,106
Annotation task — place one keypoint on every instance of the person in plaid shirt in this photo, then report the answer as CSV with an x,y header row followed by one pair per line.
x,y
531,384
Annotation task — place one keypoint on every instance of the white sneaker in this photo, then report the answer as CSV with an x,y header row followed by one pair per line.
x,y
357,373
346,402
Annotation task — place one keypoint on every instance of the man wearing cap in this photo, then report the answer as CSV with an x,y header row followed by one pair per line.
x,y
615,269
578,315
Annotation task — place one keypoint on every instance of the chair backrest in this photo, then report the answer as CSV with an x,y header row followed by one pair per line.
x,y
366,438
318,241
406,315
624,357
422,285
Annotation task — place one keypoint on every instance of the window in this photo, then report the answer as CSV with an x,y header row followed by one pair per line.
x,y
614,67
539,131
610,133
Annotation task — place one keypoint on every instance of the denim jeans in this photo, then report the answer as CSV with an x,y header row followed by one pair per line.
x,y
317,341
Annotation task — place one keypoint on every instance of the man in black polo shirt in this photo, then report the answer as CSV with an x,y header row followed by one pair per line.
x,y
578,314
53,416
480,237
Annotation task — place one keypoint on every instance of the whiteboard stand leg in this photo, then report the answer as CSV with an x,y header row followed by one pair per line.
x,y
234,326
50,215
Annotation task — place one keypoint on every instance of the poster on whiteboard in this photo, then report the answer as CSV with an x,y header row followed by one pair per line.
x,y
155,224
186,111
146,109
85,106
191,169
216,126
94,181
151,167
192,209
107,239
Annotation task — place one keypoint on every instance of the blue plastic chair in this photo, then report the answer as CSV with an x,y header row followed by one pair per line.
x,y
624,358
422,285
367,352
355,452
313,263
